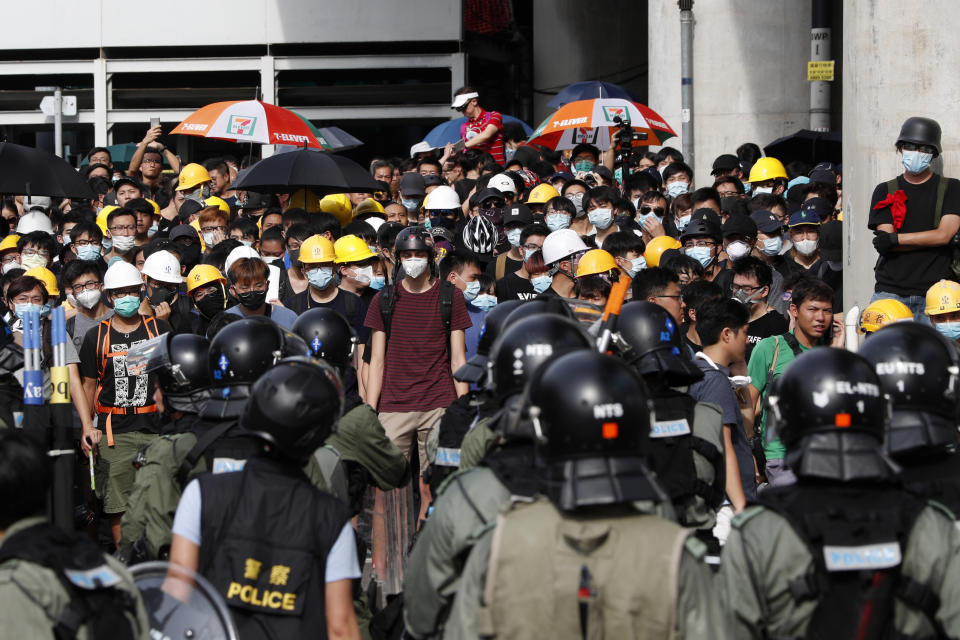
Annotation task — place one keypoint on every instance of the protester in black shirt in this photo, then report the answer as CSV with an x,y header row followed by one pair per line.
x,y
751,286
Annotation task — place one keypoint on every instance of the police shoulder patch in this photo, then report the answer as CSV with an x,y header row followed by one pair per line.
x,y
745,516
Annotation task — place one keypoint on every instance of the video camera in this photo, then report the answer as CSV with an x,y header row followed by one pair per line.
x,y
626,136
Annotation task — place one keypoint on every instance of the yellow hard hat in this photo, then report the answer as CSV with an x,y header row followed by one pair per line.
x,y
192,175
595,261
317,249
370,206
656,248
102,217
9,242
542,193
880,313
196,225
203,274
767,169
220,203
351,249
943,297
340,206
45,276
305,199
156,207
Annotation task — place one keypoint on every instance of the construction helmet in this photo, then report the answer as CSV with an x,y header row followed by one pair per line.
x,y
156,207
370,206
46,276
9,242
305,199
339,205
443,197
102,217
594,262
220,203
541,194
350,249
767,169
191,176
34,221
203,274
163,266
317,249
120,275
943,297
656,248
880,313
561,244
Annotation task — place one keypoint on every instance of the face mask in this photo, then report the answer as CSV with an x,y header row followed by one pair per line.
x,y
527,253
152,231
744,298
107,244
191,255
126,306
363,275
414,267
513,237
66,240
209,238
211,304
9,266
541,283
32,262
247,243
22,308
472,290
88,299
72,300
949,330
678,188
637,265
508,153
577,200
806,247
737,249
485,301
252,299
644,216
557,221
583,165
601,218
294,255
700,254
160,295
772,246
320,277
378,282
916,161
493,214
88,252
410,204
123,244
762,190
683,221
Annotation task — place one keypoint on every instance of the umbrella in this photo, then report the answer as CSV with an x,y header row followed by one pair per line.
x,y
449,131
120,155
591,121
249,121
32,171
807,145
587,90
323,173
332,139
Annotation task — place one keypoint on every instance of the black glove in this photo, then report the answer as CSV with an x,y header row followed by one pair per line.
x,y
884,242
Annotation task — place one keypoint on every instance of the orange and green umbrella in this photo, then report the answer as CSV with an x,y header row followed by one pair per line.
x,y
251,121
593,121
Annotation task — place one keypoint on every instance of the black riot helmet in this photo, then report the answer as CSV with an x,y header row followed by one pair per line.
x,y
591,413
920,131
649,340
295,406
537,307
703,226
918,370
828,411
328,335
181,367
476,367
413,239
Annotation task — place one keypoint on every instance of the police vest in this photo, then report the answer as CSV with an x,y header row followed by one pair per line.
x,y
558,576
266,532
856,537
222,444
936,480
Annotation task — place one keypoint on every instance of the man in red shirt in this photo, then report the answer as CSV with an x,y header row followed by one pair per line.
x,y
483,130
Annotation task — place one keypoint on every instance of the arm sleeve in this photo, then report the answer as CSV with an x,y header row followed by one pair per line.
x,y
374,320
495,119
88,354
715,388
698,606
342,563
951,200
186,522
460,319
760,360
881,216
72,356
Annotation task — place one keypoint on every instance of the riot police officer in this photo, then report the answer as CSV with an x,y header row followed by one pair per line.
x,y
590,559
845,552
280,551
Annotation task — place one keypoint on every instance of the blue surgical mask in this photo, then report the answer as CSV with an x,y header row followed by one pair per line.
x,y
107,244
126,306
700,254
541,283
949,330
247,243
378,282
683,221
527,253
644,216
66,240
485,301
22,308
637,265
513,237
772,246
583,165
411,204
678,188
152,231
601,218
320,277
557,221
88,252
472,290
508,153
916,161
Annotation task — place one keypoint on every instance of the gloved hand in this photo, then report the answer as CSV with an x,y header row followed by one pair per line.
x,y
884,242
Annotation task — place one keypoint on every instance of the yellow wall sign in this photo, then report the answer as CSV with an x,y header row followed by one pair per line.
x,y
821,70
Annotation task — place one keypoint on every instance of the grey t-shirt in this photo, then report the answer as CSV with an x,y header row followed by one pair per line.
x,y
82,324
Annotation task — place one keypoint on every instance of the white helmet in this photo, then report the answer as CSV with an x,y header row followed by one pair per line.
x,y
443,197
502,183
163,266
560,244
240,252
34,221
121,275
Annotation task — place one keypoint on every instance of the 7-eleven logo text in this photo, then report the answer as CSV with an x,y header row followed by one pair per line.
x,y
241,125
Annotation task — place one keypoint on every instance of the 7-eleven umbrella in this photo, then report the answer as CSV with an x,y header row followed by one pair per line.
x,y
592,122
249,121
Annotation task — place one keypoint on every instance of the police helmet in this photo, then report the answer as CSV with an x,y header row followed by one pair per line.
x,y
413,239
592,415
328,335
538,307
476,367
180,364
918,370
828,410
295,406
649,340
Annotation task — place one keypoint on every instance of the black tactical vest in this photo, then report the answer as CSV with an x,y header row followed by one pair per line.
x,y
935,480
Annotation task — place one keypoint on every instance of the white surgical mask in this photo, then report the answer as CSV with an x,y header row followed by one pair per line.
x,y
806,247
737,249
32,262
122,244
9,266
636,266
758,190
209,238
363,275
414,267
677,188
601,218
513,237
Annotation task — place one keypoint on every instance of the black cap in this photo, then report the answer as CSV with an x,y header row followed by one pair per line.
x,y
707,214
740,225
819,206
489,193
188,208
603,172
732,205
831,241
823,176
517,214
184,231
127,180
726,162
432,180
767,221
411,184
795,193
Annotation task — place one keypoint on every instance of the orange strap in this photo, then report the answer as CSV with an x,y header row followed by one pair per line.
x,y
103,343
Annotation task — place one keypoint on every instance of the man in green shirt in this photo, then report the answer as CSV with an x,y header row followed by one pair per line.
x,y
811,309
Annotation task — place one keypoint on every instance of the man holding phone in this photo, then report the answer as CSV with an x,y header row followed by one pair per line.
x,y
146,165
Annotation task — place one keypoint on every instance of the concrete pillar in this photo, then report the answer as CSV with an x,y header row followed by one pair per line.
x,y
893,69
268,93
749,76
100,102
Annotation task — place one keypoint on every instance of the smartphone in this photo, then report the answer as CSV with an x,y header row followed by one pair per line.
x,y
154,122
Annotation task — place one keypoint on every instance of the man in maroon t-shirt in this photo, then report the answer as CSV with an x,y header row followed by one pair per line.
x,y
483,130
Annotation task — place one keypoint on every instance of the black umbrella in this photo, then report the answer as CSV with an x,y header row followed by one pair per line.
x,y
31,171
807,145
319,171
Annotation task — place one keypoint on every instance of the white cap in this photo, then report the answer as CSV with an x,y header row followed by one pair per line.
x,y
502,183
122,274
162,266
560,244
420,147
34,221
463,99
240,252
443,197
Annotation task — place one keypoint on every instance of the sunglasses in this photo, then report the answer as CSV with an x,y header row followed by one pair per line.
x,y
658,211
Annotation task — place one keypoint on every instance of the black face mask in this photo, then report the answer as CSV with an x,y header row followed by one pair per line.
x,y
252,300
161,295
212,303
191,255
